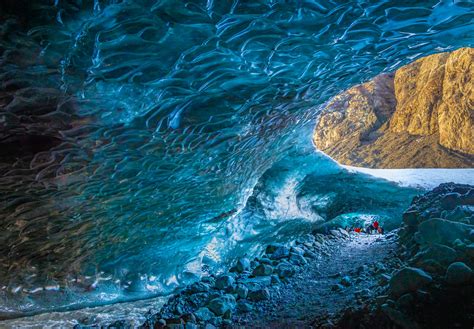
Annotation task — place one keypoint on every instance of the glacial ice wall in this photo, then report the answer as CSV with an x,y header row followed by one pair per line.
x,y
131,131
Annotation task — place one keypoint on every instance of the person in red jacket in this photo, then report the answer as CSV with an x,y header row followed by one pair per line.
x,y
357,230
376,225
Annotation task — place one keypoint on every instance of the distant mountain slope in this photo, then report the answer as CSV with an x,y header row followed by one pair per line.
x,y
421,116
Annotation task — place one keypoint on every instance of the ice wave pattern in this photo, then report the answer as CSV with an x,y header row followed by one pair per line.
x,y
133,132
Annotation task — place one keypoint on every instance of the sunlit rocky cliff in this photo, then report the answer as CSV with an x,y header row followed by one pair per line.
x,y
422,115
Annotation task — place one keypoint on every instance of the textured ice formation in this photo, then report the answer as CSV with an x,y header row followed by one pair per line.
x,y
133,132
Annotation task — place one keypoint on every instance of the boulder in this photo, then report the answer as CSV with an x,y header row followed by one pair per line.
x,y
258,294
298,259
285,270
280,252
203,314
263,270
244,307
221,305
441,231
241,291
440,253
408,279
399,318
224,282
458,273
198,287
242,265
271,248
411,218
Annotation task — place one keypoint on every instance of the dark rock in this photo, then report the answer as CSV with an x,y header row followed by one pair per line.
x,y
241,291
198,287
438,252
244,307
209,326
258,295
399,318
280,252
242,265
458,273
265,260
222,304
271,248
263,270
450,201
275,279
203,314
297,250
406,301
298,259
224,282
285,270
310,254
411,218
189,317
408,279
257,282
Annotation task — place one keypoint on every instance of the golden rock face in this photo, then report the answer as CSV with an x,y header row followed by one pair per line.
x,y
421,116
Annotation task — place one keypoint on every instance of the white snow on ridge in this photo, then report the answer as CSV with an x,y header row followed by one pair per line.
x,y
425,178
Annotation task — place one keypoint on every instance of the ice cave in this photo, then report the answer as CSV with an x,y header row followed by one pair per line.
x,y
222,164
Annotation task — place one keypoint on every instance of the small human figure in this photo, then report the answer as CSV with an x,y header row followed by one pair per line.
x,y
376,225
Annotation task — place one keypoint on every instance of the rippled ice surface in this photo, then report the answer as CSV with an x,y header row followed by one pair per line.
x,y
146,142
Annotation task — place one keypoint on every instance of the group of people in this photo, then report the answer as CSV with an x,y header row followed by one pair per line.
x,y
371,229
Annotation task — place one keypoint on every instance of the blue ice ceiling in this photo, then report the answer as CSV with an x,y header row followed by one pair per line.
x,y
133,133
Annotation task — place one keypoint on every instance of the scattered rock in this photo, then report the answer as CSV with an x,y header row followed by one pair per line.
x,y
285,270
441,231
458,273
241,291
258,295
280,252
244,307
242,265
198,287
224,282
263,270
408,279
298,259
399,318
222,304
203,314
346,281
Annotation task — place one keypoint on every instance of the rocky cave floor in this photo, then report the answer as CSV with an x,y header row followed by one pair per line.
x,y
418,276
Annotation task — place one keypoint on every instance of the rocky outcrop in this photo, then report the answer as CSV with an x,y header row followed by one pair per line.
x,y
420,116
